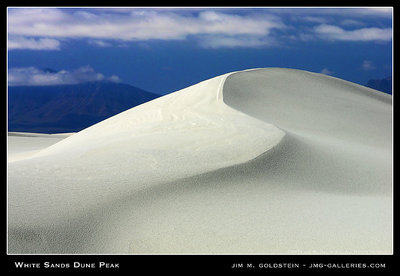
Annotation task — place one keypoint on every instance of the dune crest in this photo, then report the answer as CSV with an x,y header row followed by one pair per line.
x,y
189,132
195,117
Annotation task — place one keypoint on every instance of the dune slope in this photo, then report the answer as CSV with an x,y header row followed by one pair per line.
x,y
266,161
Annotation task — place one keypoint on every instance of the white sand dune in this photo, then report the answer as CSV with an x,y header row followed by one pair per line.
x,y
264,161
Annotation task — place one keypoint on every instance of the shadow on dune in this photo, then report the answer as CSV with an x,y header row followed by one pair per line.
x,y
284,167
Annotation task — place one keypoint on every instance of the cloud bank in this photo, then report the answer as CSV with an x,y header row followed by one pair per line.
x,y
139,25
332,32
44,28
31,76
33,44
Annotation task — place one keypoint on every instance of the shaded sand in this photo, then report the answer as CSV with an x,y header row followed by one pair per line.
x,y
22,145
266,161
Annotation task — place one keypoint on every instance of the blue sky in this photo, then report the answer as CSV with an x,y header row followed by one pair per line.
x,y
166,49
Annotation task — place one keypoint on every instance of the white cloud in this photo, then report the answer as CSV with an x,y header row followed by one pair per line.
x,y
367,65
326,71
332,32
36,77
219,41
378,12
140,24
100,43
351,22
114,78
20,17
303,36
313,19
33,43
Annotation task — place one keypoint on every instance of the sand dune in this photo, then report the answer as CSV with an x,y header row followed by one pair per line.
x,y
264,161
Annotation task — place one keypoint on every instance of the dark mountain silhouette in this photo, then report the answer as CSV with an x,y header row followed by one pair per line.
x,y
69,108
384,85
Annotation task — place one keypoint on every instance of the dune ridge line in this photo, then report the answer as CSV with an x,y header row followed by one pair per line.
x,y
189,132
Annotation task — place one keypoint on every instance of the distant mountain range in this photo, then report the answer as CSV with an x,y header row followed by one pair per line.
x,y
69,108
384,85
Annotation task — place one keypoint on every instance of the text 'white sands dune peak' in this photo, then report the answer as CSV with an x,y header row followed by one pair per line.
x,y
264,161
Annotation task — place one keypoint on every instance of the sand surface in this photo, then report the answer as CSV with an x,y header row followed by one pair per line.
x,y
264,161
22,145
